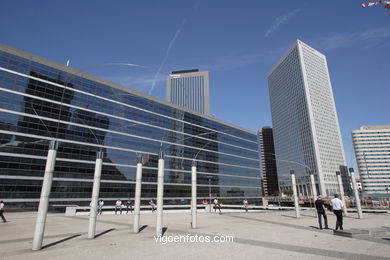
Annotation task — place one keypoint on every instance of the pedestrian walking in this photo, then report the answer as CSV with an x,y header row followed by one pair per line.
x,y
217,205
337,206
152,205
118,206
2,211
321,213
129,206
245,204
100,206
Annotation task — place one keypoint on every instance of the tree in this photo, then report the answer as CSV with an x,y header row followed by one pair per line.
x,y
288,192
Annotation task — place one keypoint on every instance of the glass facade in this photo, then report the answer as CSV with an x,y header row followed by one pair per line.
x,y
42,101
304,119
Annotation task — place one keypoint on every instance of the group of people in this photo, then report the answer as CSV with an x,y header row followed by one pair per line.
x,y
217,205
336,205
118,206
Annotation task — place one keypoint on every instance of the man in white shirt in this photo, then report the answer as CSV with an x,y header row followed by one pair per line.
x,y
337,206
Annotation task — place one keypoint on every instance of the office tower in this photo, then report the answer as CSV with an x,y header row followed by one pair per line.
x,y
189,89
371,144
41,100
268,162
305,125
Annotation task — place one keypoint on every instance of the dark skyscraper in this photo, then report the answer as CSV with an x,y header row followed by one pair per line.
x,y
268,162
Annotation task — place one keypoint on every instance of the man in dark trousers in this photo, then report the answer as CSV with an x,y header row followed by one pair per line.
x,y
1,211
320,206
337,206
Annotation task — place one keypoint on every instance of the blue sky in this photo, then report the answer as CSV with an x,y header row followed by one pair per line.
x,y
237,41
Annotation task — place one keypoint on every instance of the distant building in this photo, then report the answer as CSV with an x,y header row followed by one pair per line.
x,y
268,162
372,151
359,185
304,120
189,89
346,179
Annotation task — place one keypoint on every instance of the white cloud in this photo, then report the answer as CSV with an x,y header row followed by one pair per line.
x,y
235,60
365,38
281,20
138,82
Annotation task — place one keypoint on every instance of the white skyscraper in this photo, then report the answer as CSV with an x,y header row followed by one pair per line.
x,y
305,124
189,89
372,151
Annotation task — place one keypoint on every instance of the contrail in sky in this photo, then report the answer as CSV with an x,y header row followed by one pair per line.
x,y
170,46
281,20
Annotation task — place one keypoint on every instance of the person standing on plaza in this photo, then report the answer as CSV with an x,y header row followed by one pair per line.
x,y
245,204
217,205
320,207
129,206
2,211
100,206
337,206
118,205
151,203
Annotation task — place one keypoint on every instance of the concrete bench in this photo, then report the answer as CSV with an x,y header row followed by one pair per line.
x,y
71,211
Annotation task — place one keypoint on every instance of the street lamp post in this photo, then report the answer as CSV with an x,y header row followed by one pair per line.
x,y
193,193
341,191
160,194
137,197
45,193
356,192
294,187
95,195
314,190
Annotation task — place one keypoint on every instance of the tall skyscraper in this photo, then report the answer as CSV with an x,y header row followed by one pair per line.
x,y
305,124
268,162
189,89
372,153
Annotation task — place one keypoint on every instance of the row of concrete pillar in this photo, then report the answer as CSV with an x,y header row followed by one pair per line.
x,y
314,192
47,182
48,178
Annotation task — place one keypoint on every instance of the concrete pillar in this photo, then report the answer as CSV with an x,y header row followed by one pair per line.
x,y
160,194
356,192
137,199
45,193
193,193
295,193
313,190
209,194
313,186
95,195
341,191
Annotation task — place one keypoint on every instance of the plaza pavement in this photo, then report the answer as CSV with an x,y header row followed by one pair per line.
x,y
257,235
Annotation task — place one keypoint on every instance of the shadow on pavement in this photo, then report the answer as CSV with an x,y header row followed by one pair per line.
x,y
104,232
288,216
142,228
60,241
164,230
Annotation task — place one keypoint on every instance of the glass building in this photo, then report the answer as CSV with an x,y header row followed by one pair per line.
x,y
189,89
41,100
268,162
304,120
372,151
